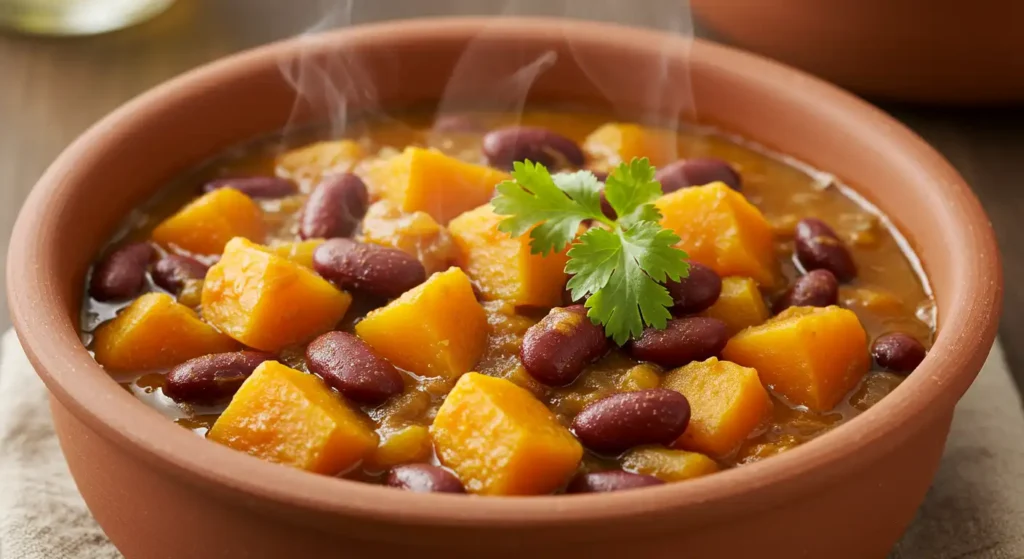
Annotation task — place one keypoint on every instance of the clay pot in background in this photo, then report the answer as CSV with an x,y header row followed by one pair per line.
x,y
906,50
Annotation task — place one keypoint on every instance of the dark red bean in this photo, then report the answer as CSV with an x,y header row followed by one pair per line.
x,y
682,341
612,480
211,379
374,269
122,273
255,187
697,291
424,478
697,172
817,288
622,421
349,365
819,248
607,209
172,271
898,352
606,206
556,349
334,208
540,145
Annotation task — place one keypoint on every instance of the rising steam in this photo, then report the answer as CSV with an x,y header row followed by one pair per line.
x,y
334,86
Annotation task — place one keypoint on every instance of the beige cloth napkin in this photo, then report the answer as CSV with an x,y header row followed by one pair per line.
x,y
975,509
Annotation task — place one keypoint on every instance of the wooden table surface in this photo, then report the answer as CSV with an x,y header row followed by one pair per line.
x,y
52,89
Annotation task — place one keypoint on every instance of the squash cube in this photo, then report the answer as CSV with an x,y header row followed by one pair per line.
x,y
436,329
268,302
207,224
667,464
618,142
402,446
156,332
739,306
721,229
500,440
416,234
727,403
811,355
426,180
290,417
502,267
299,252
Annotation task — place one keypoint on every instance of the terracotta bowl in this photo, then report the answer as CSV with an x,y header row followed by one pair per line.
x,y
160,491
907,50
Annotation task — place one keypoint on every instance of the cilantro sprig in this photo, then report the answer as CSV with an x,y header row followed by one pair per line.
x,y
618,265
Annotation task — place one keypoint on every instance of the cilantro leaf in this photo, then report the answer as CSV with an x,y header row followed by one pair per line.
x,y
619,265
622,272
653,248
553,211
630,188
592,260
583,187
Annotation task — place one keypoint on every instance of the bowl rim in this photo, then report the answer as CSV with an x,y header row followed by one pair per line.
x,y
967,328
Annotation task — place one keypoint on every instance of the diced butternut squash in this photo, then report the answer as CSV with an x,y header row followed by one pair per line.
x,y
500,440
436,329
268,302
415,233
727,403
721,229
618,142
290,417
207,224
426,180
502,267
300,252
739,306
402,446
312,161
156,332
811,355
667,464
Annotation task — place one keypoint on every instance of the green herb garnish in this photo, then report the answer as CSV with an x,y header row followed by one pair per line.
x,y
621,264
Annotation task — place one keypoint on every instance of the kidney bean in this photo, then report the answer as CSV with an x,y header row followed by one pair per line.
x,y
556,349
817,288
898,352
374,269
697,291
334,208
607,209
122,273
212,378
347,364
611,480
424,478
255,187
697,172
171,271
818,247
540,145
683,340
622,421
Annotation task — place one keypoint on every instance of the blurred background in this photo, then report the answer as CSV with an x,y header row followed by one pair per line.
x,y
54,87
